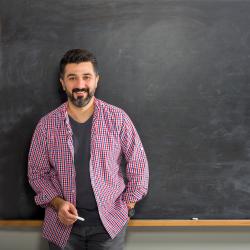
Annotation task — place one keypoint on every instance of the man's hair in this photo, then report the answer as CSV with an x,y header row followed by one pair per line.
x,y
77,56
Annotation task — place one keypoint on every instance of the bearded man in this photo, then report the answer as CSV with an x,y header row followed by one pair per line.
x,y
74,164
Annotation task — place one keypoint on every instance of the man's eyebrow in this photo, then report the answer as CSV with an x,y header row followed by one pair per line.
x,y
72,74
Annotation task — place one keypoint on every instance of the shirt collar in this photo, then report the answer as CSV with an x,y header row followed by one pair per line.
x,y
64,114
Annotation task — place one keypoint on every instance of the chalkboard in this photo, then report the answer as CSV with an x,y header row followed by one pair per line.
x,y
180,69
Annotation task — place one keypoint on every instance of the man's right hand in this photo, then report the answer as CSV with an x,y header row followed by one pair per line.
x,y
66,211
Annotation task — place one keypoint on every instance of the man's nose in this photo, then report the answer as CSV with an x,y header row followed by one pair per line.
x,y
81,83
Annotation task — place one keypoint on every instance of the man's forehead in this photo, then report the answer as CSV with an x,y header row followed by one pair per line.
x,y
79,68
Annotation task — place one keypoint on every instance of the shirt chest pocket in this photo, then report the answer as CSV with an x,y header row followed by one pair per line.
x,y
59,151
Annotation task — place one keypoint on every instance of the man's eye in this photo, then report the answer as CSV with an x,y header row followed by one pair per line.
x,y
72,78
86,78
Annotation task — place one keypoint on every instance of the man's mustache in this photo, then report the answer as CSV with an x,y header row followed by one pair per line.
x,y
75,90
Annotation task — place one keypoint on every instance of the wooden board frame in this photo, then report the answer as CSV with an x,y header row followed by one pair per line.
x,y
146,223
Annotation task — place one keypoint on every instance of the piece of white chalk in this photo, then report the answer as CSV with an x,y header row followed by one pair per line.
x,y
194,218
80,218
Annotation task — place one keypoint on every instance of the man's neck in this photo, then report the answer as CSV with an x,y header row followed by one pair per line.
x,y
81,115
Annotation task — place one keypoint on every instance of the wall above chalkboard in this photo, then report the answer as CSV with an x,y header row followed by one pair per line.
x,y
180,69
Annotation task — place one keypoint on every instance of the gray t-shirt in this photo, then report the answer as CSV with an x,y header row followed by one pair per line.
x,y
85,199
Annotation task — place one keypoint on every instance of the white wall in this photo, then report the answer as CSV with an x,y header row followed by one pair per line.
x,y
145,239
203,239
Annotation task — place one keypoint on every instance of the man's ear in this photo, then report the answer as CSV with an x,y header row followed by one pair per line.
x,y
62,82
97,80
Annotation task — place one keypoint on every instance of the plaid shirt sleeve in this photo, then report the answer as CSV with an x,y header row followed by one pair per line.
x,y
137,171
39,170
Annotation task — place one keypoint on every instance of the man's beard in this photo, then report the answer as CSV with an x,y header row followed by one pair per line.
x,y
80,101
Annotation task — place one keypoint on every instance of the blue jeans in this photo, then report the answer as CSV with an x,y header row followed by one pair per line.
x,y
92,238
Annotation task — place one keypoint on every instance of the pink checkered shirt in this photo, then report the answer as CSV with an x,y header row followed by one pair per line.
x,y
51,170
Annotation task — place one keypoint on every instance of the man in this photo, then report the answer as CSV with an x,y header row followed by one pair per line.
x,y
74,164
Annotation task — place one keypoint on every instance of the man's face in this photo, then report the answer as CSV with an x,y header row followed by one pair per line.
x,y
79,82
